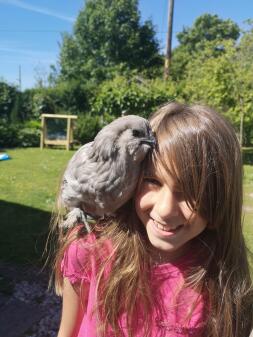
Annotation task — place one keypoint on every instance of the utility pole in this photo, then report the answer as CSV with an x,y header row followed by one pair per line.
x,y
167,63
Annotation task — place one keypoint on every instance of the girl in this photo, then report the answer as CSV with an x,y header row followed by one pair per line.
x,y
172,262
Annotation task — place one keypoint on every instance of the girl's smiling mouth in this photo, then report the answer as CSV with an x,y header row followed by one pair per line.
x,y
165,229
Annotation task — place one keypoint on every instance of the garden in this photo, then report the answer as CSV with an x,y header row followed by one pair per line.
x,y
110,65
211,65
29,183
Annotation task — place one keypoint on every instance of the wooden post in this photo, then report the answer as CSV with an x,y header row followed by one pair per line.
x,y
71,133
42,135
68,133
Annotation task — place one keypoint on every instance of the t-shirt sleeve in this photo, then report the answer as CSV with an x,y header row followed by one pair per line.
x,y
75,262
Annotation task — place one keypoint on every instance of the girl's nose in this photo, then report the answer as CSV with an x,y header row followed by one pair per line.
x,y
166,205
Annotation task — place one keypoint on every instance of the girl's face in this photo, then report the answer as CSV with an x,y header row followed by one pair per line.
x,y
169,222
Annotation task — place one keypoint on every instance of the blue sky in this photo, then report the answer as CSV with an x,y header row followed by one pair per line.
x,y
30,31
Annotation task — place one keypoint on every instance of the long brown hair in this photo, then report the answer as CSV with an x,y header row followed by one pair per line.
x,y
202,151
199,149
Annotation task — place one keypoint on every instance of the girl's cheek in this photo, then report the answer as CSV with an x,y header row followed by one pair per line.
x,y
187,212
143,199
193,217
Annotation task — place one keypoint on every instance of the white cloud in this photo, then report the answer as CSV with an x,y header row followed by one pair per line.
x,y
24,5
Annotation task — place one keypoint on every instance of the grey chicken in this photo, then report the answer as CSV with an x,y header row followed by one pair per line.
x,y
103,174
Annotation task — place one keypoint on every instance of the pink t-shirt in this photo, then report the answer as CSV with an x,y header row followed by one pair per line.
x,y
170,318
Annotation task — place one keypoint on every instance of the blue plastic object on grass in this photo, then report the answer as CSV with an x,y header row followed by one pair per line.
x,y
4,156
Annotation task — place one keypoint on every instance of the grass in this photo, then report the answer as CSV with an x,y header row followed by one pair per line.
x,y
29,183
248,205
32,176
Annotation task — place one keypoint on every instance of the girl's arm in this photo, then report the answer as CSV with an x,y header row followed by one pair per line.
x,y
72,311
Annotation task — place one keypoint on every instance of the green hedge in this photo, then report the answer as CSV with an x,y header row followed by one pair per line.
x,y
19,135
131,96
8,135
86,128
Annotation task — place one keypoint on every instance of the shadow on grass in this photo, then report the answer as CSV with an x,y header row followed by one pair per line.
x,y
23,233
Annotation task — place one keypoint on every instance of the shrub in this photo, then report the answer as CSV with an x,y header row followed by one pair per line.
x,y
8,135
19,135
8,95
28,137
87,127
131,96
42,103
72,96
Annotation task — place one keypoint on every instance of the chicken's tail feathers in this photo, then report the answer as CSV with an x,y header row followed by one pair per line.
x,y
75,217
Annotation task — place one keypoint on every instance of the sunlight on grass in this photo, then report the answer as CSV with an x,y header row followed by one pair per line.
x,y
29,182
32,176
248,205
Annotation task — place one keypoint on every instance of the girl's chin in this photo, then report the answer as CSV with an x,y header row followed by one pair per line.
x,y
163,246
168,252
170,245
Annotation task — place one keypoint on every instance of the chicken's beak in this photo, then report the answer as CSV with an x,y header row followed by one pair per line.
x,y
151,141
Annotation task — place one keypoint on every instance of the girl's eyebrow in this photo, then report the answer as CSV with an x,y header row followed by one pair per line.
x,y
150,173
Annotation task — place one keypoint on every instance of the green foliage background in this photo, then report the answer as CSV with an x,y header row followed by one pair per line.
x,y
111,65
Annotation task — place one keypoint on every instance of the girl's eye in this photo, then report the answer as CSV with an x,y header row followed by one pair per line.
x,y
152,181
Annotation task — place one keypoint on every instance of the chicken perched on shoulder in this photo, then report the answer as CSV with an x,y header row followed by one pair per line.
x,y
103,174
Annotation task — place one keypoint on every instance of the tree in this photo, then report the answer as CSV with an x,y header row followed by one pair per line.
x,y
223,80
8,95
40,76
108,37
192,40
243,65
210,77
131,96
208,27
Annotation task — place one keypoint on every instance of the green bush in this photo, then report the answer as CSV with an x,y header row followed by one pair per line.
x,y
72,96
86,128
247,155
131,96
29,134
19,135
8,135
8,95
28,137
43,103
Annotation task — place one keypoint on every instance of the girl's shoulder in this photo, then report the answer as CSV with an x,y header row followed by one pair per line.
x,y
82,256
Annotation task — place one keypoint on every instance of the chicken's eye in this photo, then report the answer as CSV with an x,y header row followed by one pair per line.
x,y
137,133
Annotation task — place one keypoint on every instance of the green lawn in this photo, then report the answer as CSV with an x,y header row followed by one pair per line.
x,y
28,185
32,176
248,205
